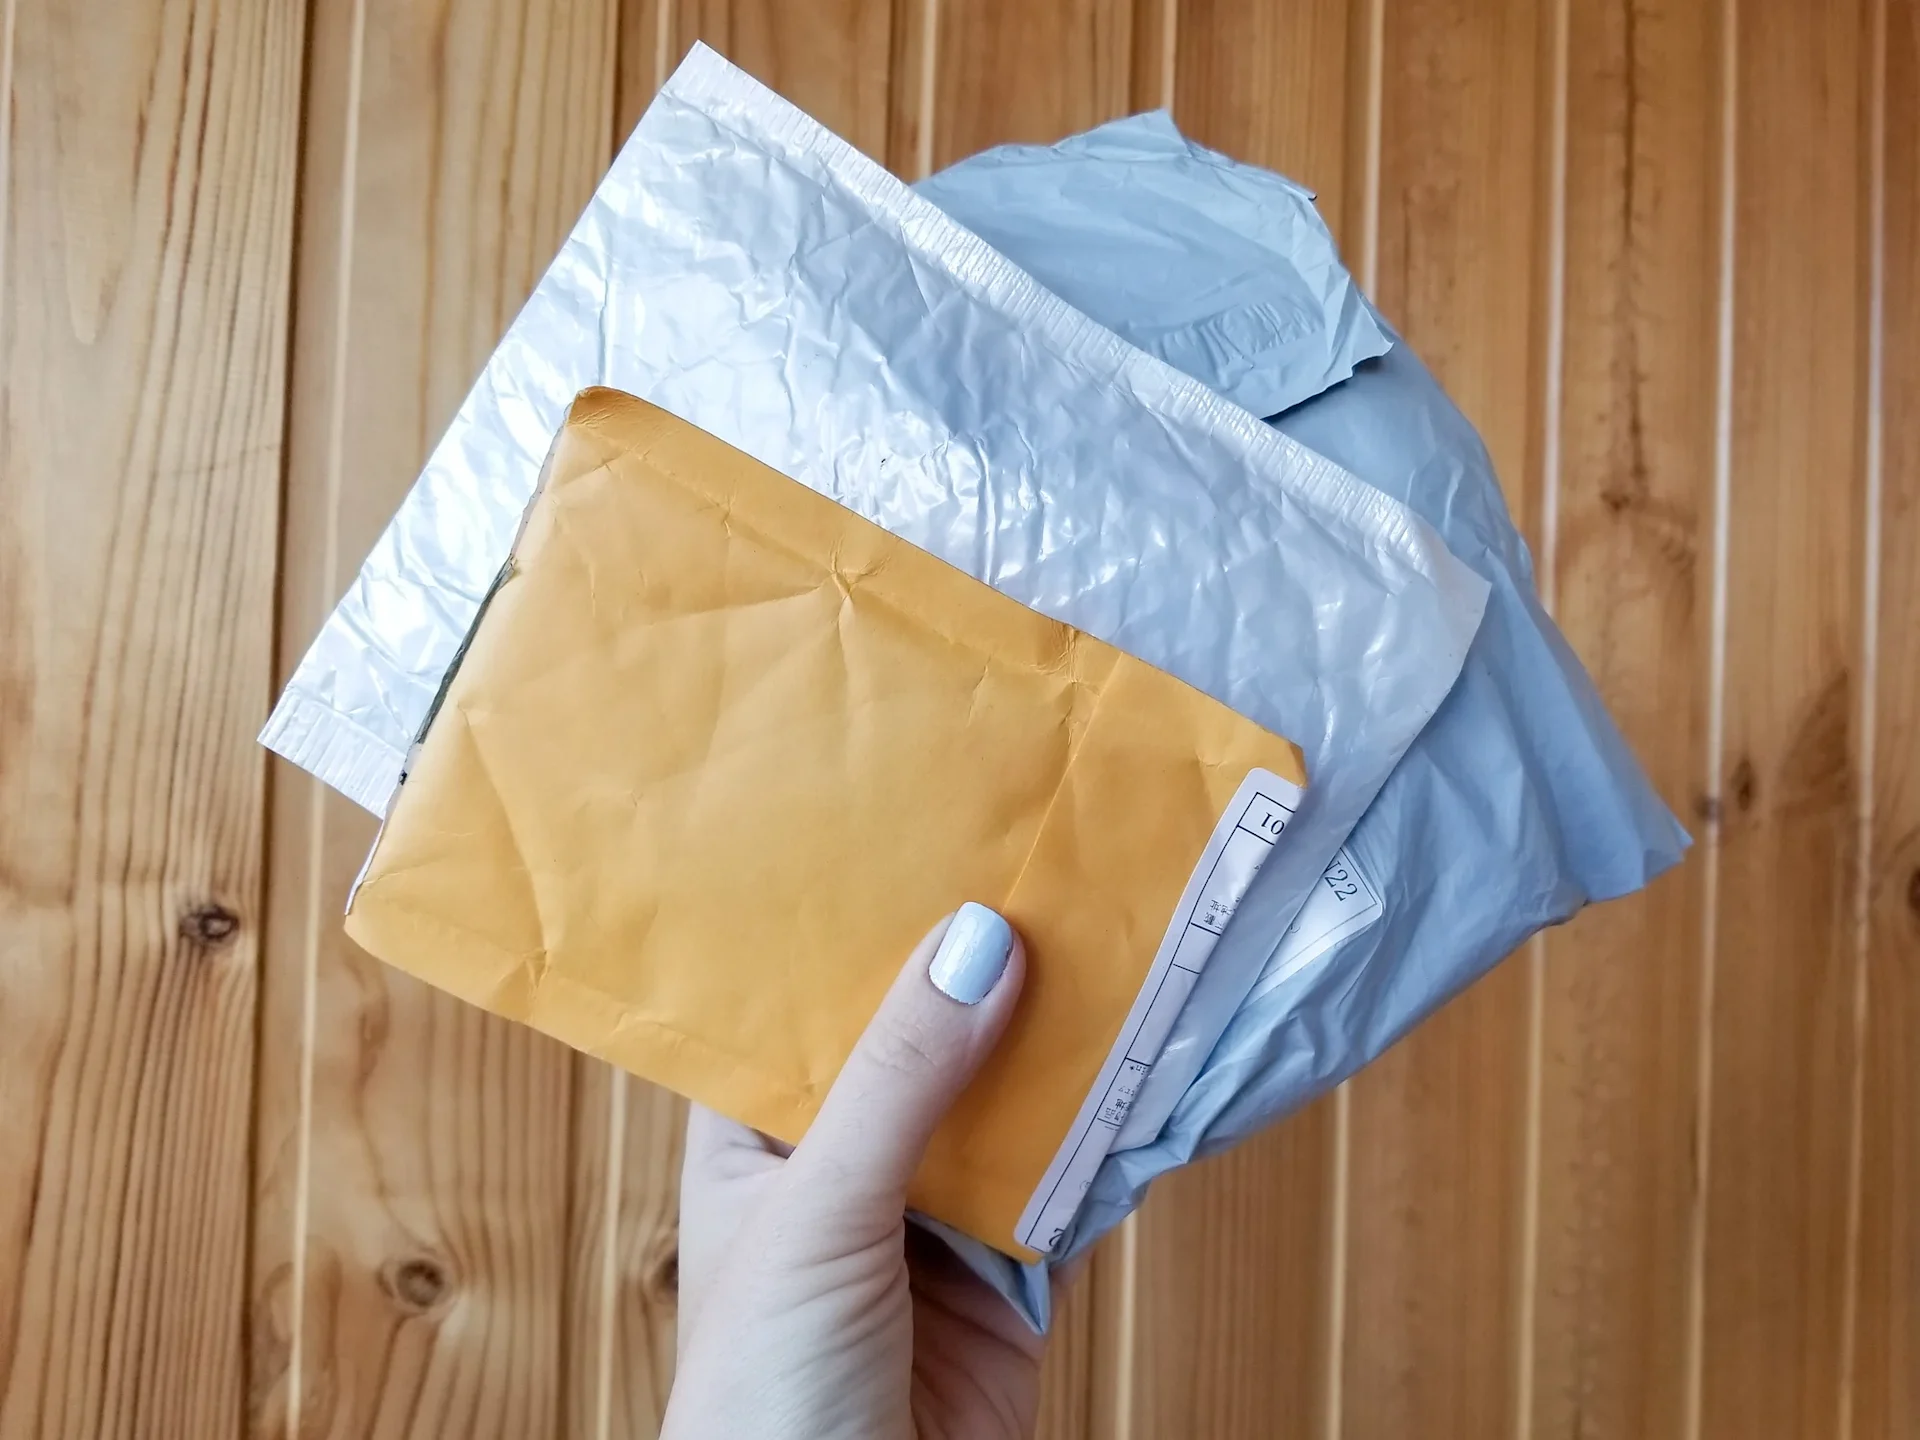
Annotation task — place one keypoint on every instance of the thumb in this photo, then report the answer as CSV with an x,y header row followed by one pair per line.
x,y
932,1032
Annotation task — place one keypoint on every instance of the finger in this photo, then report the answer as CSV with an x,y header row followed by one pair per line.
x,y
721,1146
934,1029
726,1168
949,1288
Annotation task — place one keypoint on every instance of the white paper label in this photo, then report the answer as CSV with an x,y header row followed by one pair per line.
x,y
1254,821
1344,903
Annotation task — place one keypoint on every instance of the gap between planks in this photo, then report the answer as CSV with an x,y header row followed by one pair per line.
x,y
316,791
610,1207
1340,1179
7,20
1553,382
929,85
1862,900
1694,1359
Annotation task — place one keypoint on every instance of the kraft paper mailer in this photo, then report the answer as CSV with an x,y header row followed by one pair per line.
x,y
719,751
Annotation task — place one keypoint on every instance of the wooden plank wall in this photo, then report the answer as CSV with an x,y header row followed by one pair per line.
x,y
1655,1177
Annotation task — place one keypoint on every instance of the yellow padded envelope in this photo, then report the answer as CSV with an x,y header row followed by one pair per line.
x,y
719,751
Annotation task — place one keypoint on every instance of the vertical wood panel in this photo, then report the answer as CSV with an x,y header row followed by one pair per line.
x,y
1067,1373
832,58
1155,55
1274,85
989,73
1634,563
1082,1374
829,57
1432,1304
146,234
303,817
1230,1299
644,57
1229,1335
424,1297
1782,1038
1886,1322
910,67
413,1248
1010,70
623,1293
1463,112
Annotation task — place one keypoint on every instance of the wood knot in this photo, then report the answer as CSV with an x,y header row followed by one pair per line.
x,y
1707,808
417,1284
209,925
1913,892
663,1275
1744,785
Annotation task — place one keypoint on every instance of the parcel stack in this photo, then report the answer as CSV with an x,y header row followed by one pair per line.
x,y
814,555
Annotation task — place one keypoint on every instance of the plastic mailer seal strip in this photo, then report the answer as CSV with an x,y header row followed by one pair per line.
x,y
743,268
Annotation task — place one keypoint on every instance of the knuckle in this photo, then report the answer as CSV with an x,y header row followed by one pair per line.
x,y
908,1051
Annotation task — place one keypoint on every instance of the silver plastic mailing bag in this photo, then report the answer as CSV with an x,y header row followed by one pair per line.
x,y
1222,270
1519,804
750,272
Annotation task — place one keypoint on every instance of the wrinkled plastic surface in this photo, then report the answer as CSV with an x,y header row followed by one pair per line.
x,y
746,270
1519,803
1222,270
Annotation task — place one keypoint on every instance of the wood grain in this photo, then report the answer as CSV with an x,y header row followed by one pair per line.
x,y
1783,1047
990,72
624,1288
149,185
1275,85
1010,70
829,57
1432,1309
910,91
1067,1373
1885,1382
1232,1259
835,59
303,816
416,1154
1232,1267
1463,107
1633,557
644,57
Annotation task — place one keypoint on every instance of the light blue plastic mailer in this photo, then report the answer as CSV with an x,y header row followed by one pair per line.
x,y
1221,270
1518,804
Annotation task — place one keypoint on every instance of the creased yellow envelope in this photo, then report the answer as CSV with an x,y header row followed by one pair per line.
x,y
719,751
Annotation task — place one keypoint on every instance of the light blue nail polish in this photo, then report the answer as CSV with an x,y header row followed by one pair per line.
x,y
972,954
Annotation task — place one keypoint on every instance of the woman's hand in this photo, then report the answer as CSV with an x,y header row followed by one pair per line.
x,y
808,1308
